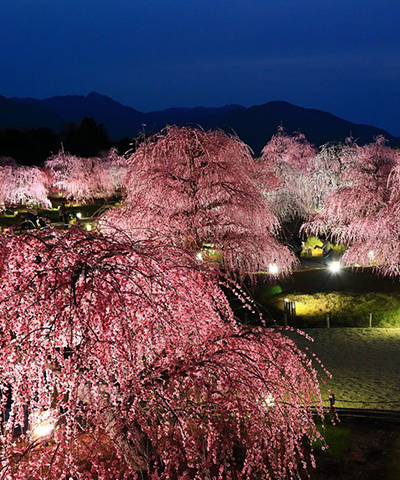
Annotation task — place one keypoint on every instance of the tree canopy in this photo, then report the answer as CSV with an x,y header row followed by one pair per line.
x,y
284,171
362,212
134,354
198,189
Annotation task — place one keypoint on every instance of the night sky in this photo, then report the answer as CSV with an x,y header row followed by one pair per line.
x,y
342,56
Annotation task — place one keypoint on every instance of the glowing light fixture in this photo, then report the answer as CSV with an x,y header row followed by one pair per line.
x,y
199,257
371,255
273,269
79,215
43,424
89,227
334,267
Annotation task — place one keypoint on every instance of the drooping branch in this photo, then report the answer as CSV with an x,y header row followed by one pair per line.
x,y
362,212
21,185
284,173
135,350
198,189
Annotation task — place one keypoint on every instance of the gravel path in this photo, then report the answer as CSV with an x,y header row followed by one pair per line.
x,y
364,363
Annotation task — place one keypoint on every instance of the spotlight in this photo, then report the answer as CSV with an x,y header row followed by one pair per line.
x,y
43,424
334,267
273,269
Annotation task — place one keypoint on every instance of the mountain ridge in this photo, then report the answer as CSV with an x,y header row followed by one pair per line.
x,y
255,125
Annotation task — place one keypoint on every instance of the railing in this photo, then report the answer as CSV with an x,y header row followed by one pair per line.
x,y
367,414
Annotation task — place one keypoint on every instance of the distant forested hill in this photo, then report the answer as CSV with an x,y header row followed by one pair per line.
x,y
254,125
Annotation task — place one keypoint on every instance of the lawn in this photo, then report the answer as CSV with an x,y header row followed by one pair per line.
x,y
10,218
364,364
345,309
349,297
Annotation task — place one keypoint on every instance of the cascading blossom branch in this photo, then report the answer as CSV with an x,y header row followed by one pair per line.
x,y
136,352
284,173
86,179
22,185
197,188
363,211
328,169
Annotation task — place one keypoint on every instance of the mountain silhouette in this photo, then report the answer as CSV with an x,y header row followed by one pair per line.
x,y
254,125
120,121
26,115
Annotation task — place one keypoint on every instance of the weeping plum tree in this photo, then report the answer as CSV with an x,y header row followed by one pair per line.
x,y
284,171
363,212
113,169
133,352
377,240
22,185
86,179
363,189
73,176
197,188
327,169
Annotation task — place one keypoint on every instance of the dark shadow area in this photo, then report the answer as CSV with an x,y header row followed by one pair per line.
x,y
360,450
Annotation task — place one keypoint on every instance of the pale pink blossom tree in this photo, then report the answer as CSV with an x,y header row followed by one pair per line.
x,y
22,185
133,360
362,212
87,179
327,169
112,171
284,171
198,189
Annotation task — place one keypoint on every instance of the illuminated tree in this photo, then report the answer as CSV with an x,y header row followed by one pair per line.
x,y
197,189
327,169
362,212
21,185
112,170
134,352
86,179
284,170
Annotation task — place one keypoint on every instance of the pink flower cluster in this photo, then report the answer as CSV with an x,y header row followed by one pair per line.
x,y
135,351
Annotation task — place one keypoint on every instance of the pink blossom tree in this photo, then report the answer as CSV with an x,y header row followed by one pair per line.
x,y
22,185
87,179
128,360
284,171
361,213
198,189
327,169
112,171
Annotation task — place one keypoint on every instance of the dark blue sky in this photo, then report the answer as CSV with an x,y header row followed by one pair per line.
x,y
342,56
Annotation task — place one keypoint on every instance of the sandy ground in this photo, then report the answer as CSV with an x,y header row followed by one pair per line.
x,y
364,363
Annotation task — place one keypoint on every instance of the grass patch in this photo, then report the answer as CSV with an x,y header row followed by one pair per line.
x,y
311,242
13,217
336,437
345,308
271,290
